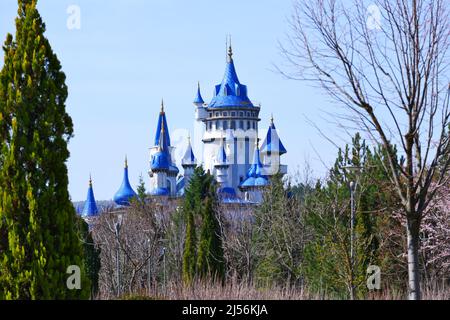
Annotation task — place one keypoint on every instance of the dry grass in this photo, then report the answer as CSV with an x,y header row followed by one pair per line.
x,y
242,291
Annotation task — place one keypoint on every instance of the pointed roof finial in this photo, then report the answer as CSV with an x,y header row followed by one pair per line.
x,y
271,118
189,137
230,51
126,161
90,180
162,105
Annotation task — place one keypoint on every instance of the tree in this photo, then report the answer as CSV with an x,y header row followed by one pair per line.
x,y
210,259
200,204
91,257
389,74
278,237
39,238
328,264
142,193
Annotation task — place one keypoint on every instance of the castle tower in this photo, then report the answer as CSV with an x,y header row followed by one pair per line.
x,y
125,192
189,163
163,172
90,205
221,167
256,180
271,151
230,114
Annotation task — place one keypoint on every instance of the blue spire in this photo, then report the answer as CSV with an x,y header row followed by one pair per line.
x,y
161,160
90,206
272,143
221,158
198,99
255,175
189,158
125,193
230,93
162,121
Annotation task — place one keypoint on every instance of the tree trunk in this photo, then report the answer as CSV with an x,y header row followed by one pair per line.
x,y
413,259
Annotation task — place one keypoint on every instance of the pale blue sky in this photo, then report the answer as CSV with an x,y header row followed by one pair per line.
x,y
129,54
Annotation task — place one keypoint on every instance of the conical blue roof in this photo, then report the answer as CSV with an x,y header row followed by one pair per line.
x,y
125,192
162,122
255,175
221,158
230,93
272,143
90,205
161,160
189,158
198,98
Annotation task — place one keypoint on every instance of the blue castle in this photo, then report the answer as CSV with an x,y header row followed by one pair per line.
x,y
231,150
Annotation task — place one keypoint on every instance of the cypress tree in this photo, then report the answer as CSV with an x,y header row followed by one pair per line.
x,y
38,233
200,205
210,259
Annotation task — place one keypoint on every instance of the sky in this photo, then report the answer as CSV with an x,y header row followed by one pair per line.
x,y
124,56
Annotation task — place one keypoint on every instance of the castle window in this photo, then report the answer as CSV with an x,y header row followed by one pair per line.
x,y
233,114
210,114
217,124
241,114
217,114
225,114
248,125
233,125
241,124
248,114
225,125
254,125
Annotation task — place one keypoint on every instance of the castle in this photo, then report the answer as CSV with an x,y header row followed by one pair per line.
x,y
231,150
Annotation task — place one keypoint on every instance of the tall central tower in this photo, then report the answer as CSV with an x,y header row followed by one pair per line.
x,y
232,119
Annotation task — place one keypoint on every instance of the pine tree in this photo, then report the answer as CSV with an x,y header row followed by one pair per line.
x,y
200,204
210,259
142,193
39,238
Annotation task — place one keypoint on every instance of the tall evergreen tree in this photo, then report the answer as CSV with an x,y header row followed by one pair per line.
x,y
142,193
210,259
39,238
200,205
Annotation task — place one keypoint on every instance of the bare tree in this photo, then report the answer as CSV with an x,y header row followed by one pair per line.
x,y
386,63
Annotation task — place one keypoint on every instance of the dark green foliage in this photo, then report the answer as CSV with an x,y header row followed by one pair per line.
x,y
38,235
210,260
278,237
200,205
327,264
91,256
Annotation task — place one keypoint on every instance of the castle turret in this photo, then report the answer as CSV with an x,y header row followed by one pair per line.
x,y
163,171
125,193
189,163
271,151
200,110
221,165
90,205
256,179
